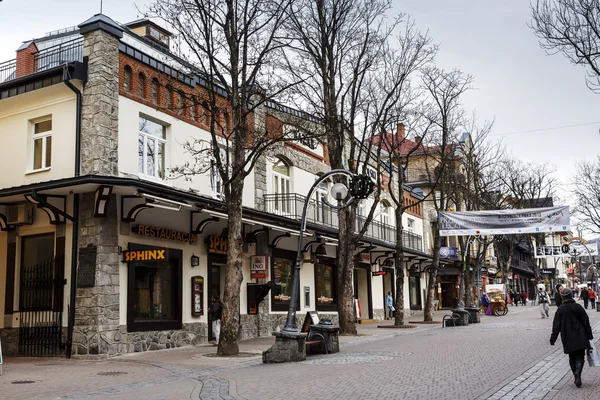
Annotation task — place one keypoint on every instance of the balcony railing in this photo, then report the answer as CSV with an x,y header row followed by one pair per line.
x,y
60,54
8,70
291,205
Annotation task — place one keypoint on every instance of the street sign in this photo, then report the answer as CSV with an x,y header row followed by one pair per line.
x,y
565,248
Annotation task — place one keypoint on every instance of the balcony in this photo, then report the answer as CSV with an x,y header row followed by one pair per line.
x,y
48,58
291,205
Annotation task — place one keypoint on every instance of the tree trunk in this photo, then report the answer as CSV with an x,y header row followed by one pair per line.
x,y
345,273
428,314
469,281
399,267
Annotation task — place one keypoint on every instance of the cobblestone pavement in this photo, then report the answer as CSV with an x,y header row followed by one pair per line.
x,y
501,358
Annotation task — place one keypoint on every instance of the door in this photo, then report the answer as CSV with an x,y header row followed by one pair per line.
x,y
363,291
389,285
216,284
40,297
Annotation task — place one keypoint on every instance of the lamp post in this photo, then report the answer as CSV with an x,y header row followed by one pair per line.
x,y
360,187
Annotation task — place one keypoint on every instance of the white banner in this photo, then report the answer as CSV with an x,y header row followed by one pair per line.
x,y
497,222
566,250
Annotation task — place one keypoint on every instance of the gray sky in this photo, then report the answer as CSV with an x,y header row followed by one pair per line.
x,y
517,84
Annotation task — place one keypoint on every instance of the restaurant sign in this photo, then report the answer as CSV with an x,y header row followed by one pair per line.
x,y
216,244
144,255
162,233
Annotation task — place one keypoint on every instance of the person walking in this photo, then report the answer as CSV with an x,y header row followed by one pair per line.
x,y
557,296
585,295
517,298
573,324
485,302
592,298
524,297
216,312
543,300
389,302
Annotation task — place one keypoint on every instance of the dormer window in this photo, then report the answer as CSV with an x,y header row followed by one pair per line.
x,y
158,36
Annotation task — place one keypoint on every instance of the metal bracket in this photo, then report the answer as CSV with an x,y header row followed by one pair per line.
x,y
202,224
4,225
55,214
101,199
133,211
277,238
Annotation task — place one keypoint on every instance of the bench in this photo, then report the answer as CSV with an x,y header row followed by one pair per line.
x,y
453,319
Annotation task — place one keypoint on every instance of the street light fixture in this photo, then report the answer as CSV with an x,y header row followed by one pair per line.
x,y
360,188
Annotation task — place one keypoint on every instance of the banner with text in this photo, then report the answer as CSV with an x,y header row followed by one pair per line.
x,y
566,250
498,222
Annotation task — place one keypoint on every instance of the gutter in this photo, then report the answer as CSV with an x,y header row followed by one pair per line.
x,y
75,220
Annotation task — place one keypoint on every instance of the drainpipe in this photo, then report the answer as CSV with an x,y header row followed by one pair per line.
x,y
75,221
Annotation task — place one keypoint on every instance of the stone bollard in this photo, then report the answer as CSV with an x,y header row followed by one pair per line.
x,y
474,317
464,316
288,347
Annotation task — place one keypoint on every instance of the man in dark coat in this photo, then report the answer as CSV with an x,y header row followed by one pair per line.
x,y
573,324
557,296
585,296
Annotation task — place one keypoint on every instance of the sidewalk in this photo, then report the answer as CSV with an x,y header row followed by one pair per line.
x,y
174,370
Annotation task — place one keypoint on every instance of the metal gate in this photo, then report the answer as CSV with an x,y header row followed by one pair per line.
x,y
40,307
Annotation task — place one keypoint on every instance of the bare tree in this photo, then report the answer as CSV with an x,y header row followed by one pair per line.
x,y
587,195
337,53
570,27
232,45
445,89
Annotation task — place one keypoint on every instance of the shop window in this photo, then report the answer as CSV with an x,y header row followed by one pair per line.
x,y
127,79
154,297
414,287
151,148
281,186
282,270
325,289
155,90
42,145
141,85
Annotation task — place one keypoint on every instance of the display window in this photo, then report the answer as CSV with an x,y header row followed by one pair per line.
x,y
282,271
325,288
154,292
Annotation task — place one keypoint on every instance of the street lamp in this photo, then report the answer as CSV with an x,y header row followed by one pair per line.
x,y
360,187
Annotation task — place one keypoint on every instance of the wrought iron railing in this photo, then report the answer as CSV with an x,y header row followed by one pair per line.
x,y
60,54
8,70
290,205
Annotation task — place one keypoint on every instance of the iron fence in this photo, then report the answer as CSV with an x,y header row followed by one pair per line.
x,y
290,206
60,54
8,70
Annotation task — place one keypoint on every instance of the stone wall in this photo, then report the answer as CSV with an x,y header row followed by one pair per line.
x,y
97,329
100,106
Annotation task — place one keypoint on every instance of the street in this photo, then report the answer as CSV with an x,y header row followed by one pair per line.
x,y
501,358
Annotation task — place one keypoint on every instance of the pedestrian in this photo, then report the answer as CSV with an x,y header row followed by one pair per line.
x,y
389,302
511,294
573,324
543,300
517,298
592,297
557,296
485,302
216,312
585,296
524,297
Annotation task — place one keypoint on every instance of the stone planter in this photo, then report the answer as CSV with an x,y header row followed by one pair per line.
x,y
288,347
474,317
330,333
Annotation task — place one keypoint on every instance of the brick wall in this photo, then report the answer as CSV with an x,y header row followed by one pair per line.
x,y
25,60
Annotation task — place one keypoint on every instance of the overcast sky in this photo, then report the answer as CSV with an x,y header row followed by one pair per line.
x,y
517,84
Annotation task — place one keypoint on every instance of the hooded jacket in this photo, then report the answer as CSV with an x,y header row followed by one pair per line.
x,y
573,324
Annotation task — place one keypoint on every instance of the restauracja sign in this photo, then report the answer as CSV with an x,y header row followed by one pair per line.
x,y
162,233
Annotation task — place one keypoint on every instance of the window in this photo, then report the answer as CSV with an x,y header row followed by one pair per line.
x,y
154,292
204,116
141,85
151,148
127,79
414,286
281,186
180,103
282,271
42,145
155,90
321,208
410,224
193,105
226,129
326,299
216,180
169,98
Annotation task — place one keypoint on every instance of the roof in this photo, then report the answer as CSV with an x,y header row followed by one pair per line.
x,y
146,21
410,147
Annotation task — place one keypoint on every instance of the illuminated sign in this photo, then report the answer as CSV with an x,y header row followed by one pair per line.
x,y
161,233
216,244
144,255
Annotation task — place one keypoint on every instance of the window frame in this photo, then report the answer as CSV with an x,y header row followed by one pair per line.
x,y
290,256
215,175
175,257
324,262
158,141
282,205
128,79
43,137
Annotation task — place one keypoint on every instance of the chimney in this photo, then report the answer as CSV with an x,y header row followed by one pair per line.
x,y
25,59
400,131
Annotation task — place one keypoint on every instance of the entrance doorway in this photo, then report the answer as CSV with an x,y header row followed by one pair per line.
x,y
388,286
363,291
449,295
40,297
216,283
